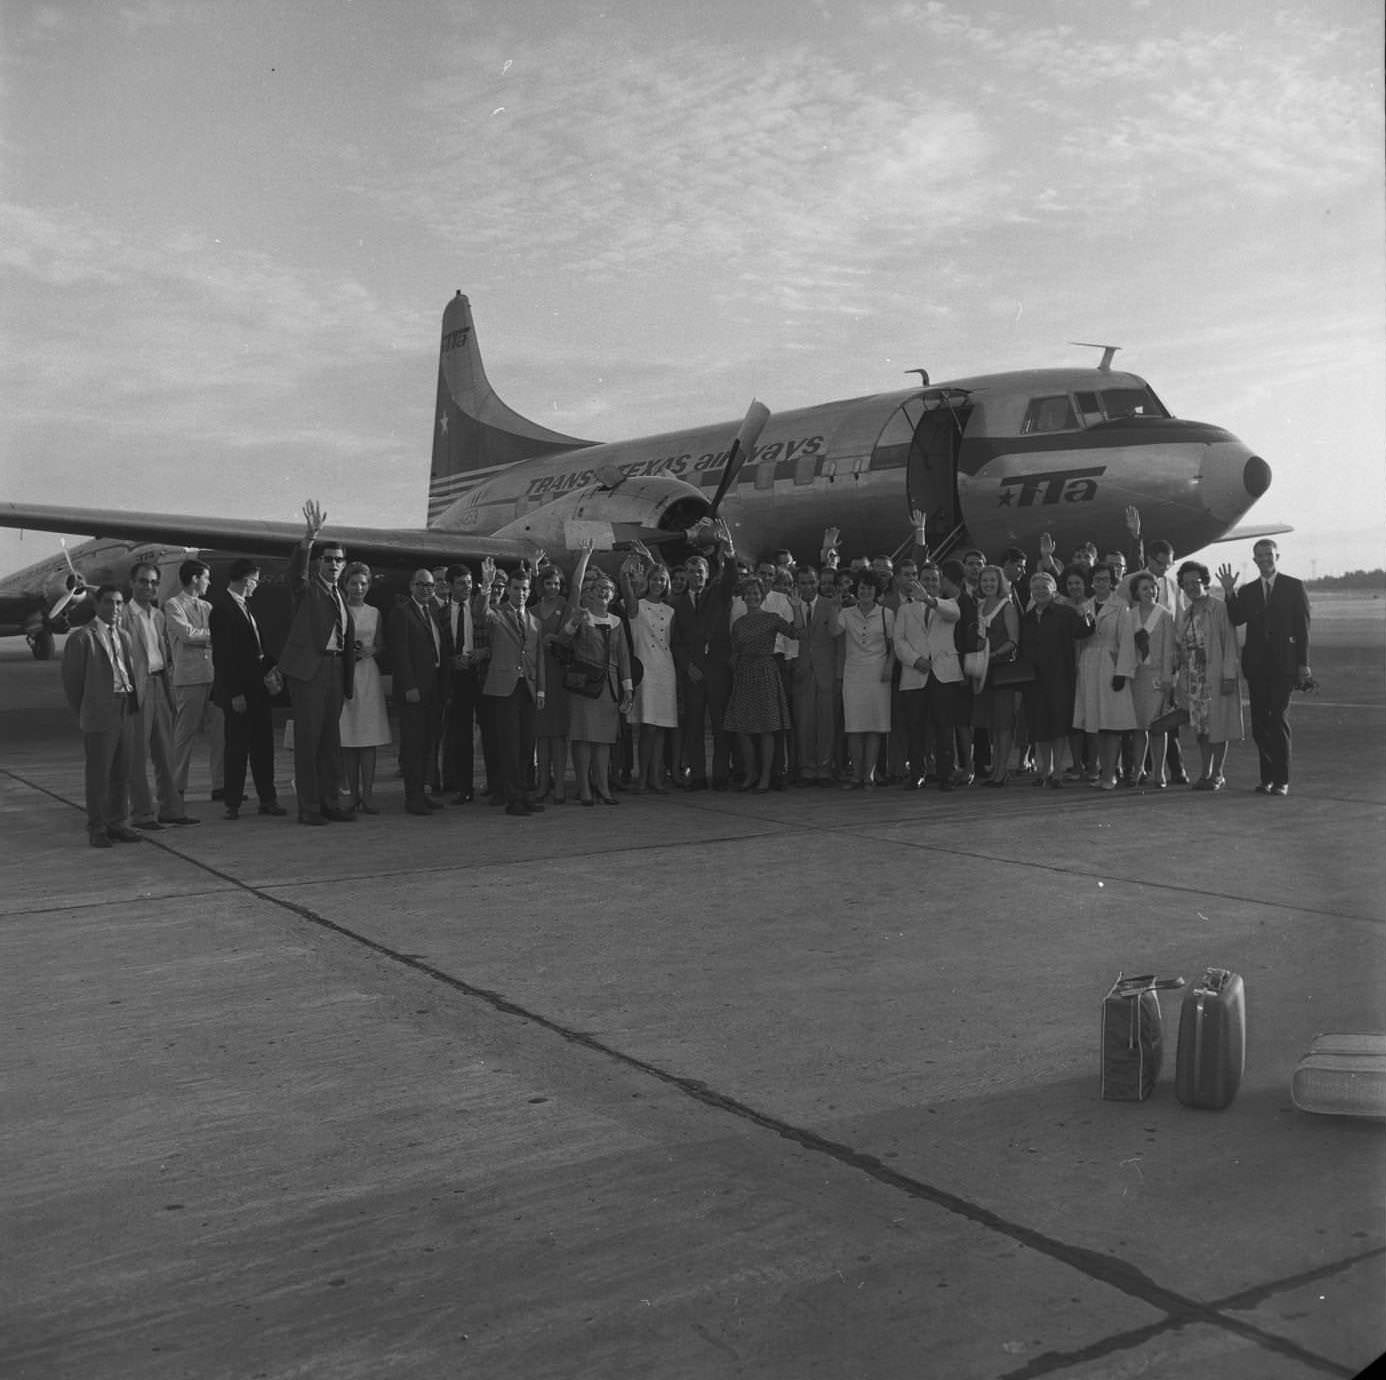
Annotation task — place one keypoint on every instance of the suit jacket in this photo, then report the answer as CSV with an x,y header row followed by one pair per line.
x,y
590,645
187,620
89,678
1277,634
410,631
938,642
129,623
314,616
820,646
238,657
516,651
702,631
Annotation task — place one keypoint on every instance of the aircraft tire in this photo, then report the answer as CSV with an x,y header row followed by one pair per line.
x,y
41,644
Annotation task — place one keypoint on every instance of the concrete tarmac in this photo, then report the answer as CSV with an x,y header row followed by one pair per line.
x,y
715,1085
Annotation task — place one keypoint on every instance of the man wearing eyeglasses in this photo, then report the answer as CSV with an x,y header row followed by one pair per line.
x,y
318,664
418,642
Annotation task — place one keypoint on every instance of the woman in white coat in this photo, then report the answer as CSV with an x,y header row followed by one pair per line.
x,y
1152,687
1102,704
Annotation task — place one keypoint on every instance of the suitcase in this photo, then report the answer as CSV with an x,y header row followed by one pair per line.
x,y
1211,1058
1132,1037
1342,1075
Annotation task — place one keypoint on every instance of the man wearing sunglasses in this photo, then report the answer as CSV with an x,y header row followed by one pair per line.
x,y
318,663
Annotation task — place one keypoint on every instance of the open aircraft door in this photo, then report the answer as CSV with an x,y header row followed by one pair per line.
x,y
926,431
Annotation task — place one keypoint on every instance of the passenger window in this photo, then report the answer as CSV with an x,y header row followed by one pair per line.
x,y
1049,414
1089,408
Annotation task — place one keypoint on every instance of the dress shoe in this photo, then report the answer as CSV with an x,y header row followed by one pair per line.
x,y
586,800
233,812
1280,788
1265,788
272,807
434,804
101,841
1180,778
608,799
310,817
414,808
150,826
181,819
338,816
518,808
462,798
123,835
534,807
219,794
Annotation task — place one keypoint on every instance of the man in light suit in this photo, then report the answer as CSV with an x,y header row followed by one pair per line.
x,y
188,621
514,685
241,664
99,682
418,645
1275,659
817,681
319,663
930,674
152,658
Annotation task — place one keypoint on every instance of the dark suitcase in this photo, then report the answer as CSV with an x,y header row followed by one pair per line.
x,y
1132,1037
1211,1058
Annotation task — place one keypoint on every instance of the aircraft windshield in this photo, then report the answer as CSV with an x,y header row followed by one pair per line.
x,y
1063,413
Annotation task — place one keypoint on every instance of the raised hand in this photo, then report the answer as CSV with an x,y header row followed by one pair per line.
x,y
488,573
1227,577
314,518
1133,520
1047,545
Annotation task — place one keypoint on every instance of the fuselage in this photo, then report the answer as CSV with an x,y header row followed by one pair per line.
x,y
997,460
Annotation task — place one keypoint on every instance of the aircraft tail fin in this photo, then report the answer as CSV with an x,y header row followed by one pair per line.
x,y
474,432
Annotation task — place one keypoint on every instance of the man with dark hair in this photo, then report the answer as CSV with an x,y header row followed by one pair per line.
x,y
241,690
99,682
1275,659
463,686
319,664
817,680
187,618
152,740
418,659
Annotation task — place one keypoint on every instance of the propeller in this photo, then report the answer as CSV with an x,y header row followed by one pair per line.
x,y
742,447
76,586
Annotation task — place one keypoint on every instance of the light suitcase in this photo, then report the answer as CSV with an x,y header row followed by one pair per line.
x,y
1132,1045
1211,1058
1342,1075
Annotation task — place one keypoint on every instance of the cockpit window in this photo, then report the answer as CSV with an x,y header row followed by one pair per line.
x,y
1131,402
1049,414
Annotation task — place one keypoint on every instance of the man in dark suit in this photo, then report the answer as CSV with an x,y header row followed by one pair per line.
x,y
817,682
318,662
1275,659
467,665
99,682
418,644
240,665
701,646
514,687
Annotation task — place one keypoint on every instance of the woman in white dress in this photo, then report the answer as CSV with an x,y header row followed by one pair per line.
x,y
364,725
1153,684
1102,706
656,709
869,630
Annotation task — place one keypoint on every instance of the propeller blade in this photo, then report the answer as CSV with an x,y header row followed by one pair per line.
x,y
743,446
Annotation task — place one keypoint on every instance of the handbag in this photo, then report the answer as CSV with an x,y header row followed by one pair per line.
x,y
975,665
1009,673
1169,720
586,678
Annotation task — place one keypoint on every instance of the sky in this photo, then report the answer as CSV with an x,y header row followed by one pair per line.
x,y
228,230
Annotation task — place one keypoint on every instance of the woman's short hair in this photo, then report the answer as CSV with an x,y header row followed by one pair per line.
x,y
1045,576
1141,577
751,582
875,579
1003,585
357,568
1108,567
1081,571
1201,570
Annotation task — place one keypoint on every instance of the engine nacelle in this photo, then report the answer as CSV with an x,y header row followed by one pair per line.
x,y
633,508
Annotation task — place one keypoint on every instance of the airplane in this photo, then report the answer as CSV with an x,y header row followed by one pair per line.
x,y
991,460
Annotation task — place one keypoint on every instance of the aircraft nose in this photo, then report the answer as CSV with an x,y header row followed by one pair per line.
x,y
1232,478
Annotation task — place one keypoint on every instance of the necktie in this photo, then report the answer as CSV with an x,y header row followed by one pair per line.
x,y
1266,590
122,676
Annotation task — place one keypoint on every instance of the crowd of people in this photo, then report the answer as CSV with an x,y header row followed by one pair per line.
x,y
853,674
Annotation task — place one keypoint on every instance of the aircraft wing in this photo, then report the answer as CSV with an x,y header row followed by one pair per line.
x,y
1269,529
397,546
